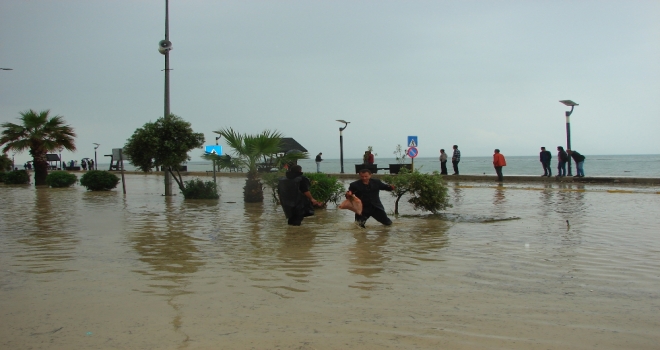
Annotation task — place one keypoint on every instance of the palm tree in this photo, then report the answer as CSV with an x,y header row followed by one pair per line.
x,y
39,133
249,151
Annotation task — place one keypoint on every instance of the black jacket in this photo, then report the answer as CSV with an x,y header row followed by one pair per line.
x,y
577,157
563,156
369,194
545,156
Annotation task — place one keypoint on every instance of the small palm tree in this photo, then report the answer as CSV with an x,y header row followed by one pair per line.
x,y
249,151
39,133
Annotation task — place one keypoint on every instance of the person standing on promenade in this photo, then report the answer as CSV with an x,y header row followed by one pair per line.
x,y
370,158
562,158
546,157
443,162
498,163
455,159
318,162
295,198
367,190
579,162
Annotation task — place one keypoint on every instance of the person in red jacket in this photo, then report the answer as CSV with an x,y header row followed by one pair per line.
x,y
498,163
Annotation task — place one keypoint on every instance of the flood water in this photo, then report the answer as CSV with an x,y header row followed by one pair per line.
x,y
546,266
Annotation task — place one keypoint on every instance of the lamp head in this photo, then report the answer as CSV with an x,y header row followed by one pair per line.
x,y
569,103
342,121
97,145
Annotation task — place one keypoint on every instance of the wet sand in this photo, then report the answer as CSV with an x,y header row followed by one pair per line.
x,y
501,269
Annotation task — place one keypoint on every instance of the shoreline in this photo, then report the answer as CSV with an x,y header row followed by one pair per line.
x,y
601,180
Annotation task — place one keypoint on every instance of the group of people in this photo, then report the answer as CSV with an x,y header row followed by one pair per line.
x,y
563,157
455,159
297,201
545,157
85,164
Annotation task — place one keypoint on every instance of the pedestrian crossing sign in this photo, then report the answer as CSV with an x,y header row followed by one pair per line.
x,y
412,141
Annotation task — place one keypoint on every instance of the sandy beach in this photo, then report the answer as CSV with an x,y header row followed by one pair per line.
x,y
519,266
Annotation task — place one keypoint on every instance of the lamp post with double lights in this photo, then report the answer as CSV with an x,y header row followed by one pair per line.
x,y
568,130
96,167
341,143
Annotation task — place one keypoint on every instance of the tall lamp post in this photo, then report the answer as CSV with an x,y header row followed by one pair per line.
x,y
164,47
341,143
13,165
568,129
96,167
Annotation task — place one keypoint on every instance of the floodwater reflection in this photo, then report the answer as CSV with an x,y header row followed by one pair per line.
x,y
50,234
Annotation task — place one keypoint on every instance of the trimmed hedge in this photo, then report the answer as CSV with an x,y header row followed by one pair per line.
x,y
60,179
17,177
99,180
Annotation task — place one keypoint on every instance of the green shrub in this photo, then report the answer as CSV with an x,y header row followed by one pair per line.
x,y
17,177
326,188
2,176
427,191
99,180
60,179
271,180
198,189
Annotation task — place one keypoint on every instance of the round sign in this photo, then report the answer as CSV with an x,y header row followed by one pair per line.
x,y
412,152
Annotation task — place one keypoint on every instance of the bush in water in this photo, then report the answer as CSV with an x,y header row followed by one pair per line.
x,y
17,177
99,180
198,189
60,179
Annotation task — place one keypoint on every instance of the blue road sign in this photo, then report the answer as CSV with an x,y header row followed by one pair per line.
x,y
213,149
412,141
412,152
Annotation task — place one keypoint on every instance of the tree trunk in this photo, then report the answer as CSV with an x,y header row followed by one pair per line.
x,y
253,191
40,169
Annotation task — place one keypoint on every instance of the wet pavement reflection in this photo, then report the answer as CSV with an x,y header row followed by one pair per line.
x,y
103,270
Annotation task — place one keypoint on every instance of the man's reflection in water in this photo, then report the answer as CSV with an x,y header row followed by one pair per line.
x,y
367,255
499,200
51,236
458,194
295,255
170,254
547,200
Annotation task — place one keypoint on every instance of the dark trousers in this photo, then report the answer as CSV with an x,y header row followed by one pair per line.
x,y
377,214
455,165
546,169
498,170
443,168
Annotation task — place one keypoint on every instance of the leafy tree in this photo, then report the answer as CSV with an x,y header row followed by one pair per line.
x,y
427,191
249,151
5,163
163,143
39,133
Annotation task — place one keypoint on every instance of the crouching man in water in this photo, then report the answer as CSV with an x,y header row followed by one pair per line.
x,y
295,198
367,190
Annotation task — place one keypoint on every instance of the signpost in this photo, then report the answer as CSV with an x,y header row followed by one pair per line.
x,y
412,151
216,150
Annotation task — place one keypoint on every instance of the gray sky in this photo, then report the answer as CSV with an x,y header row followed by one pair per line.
x,y
480,74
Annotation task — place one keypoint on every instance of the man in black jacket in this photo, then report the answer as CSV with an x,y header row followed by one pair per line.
x,y
295,198
546,157
367,190
579,162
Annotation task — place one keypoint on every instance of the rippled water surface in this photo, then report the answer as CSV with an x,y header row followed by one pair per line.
x,y
550,266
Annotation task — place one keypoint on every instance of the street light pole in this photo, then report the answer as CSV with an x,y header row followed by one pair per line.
x,y
568,130
96,167
164,47
341,143
13,166
216,143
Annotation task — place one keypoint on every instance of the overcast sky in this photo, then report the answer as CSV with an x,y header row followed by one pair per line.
x,y
480,74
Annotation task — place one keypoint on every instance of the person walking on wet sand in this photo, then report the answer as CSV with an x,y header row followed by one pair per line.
x,y
498,163
443,162
295,198
367,190
455,159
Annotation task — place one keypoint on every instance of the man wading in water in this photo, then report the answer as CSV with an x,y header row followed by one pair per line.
x,y
295,197
367,190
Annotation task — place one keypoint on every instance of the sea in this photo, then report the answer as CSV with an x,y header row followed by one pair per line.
x,y
597,165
